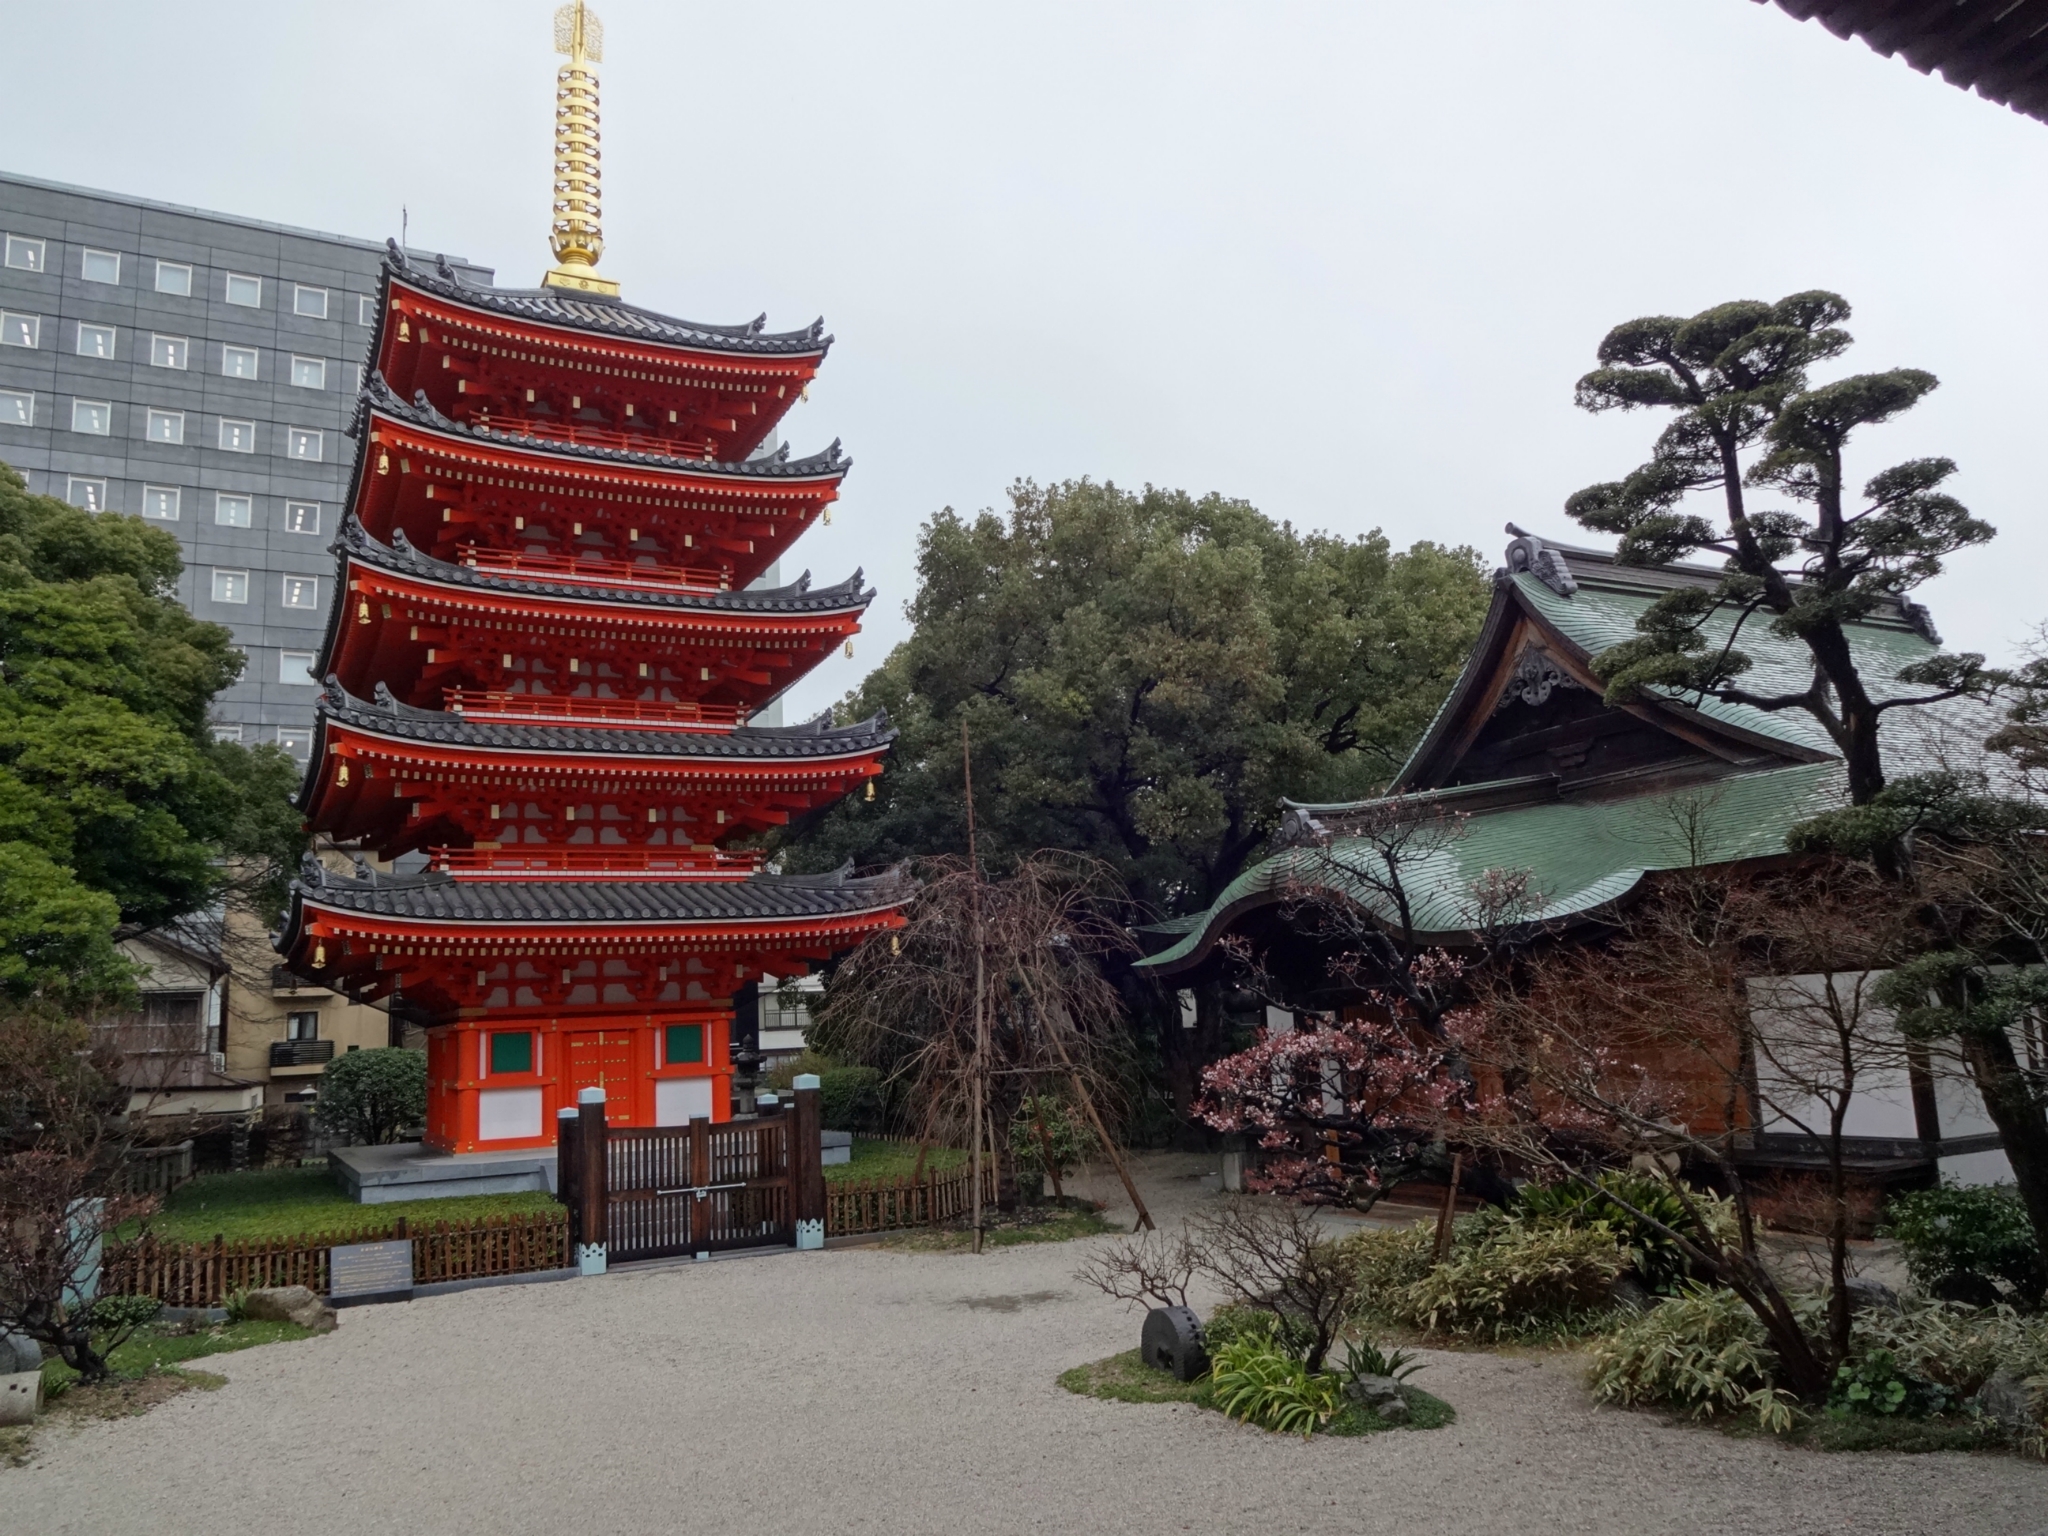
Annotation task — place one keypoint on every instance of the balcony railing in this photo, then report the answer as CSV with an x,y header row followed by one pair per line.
x,y
593,570
592,436
301,1053
594,863
574,709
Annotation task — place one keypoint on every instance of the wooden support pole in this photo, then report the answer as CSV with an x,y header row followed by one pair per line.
x,y
568,1133
1450,1209
593,1169
807,1164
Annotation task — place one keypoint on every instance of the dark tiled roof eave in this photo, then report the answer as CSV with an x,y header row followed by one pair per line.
x,y
400,557
548,306
760,898
386,716
378,398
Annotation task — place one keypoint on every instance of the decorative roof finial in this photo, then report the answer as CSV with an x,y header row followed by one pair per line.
x,y
577,233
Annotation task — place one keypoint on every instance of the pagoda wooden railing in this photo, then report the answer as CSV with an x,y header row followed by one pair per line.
x,y
592,436
592,570
615,863
576,709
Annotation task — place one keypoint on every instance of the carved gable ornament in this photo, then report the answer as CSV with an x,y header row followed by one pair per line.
x,y
1535,675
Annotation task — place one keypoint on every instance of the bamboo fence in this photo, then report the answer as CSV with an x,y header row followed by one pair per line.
x,y
887,1205
206,1274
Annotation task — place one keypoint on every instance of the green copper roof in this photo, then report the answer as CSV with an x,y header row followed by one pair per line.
x,y
1579,853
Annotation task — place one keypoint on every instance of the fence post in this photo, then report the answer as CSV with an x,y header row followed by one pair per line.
x,y
592,1175
806,1165
567,1190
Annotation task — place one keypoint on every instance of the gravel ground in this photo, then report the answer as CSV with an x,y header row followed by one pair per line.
x,y
864,1390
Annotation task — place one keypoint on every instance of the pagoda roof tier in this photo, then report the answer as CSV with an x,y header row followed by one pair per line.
x,y
451,943
723,385
424,625
398,778
531,494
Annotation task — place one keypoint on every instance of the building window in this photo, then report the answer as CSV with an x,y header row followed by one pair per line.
x,y
302,591
25,254
296,667
233,511
681,1043
160,502
366,311
95,341
238,362
92,416
245,291
309,373
302,1026
310,302
169,352
20,330
101,266
174,277
302,517
238,436
87,493
230,586
227,733
17,408
304,443
511,1052
296,743
166,426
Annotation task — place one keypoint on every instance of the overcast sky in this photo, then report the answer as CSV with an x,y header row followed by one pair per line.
x,y
1342,260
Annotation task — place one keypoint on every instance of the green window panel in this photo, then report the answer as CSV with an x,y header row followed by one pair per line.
x,y
681,1043
511,1053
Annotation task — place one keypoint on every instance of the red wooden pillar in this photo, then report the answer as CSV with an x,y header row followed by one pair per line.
x,y
807,1165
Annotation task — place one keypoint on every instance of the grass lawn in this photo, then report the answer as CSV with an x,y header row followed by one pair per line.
x,y
289,1202
874,1159
1125,1378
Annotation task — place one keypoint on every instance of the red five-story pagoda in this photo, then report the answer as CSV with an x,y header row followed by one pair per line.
x,y
544,649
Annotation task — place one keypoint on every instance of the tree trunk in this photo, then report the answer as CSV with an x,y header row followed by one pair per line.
x,y
2022,1126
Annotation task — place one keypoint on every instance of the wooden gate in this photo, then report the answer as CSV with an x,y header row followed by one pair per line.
x,y
649,1192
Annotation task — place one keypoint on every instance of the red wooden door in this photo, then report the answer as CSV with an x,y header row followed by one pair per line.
x,y
603,1058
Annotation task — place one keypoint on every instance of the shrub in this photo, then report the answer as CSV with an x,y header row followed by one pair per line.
x,y
850,1099
374,1096
1048,1120
1364,1357
1234,1322
1873,1382
1387,1260
1955,1234
1653,1254
1519,1278
1702,1351
1956,1348
1262,1385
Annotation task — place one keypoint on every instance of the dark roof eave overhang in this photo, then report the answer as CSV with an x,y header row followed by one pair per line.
x,y
825,469
725,341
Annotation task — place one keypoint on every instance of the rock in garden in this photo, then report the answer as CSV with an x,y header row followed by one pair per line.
x,y
1382,1394
1393,1411
1630,1293
290,1304
2008,1399
21,1396
1867,1295
19,1352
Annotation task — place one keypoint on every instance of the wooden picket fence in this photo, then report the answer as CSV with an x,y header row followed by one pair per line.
x,y
887,1205
206,1274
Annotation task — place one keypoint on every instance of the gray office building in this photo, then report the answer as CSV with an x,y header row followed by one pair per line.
x,y
197,370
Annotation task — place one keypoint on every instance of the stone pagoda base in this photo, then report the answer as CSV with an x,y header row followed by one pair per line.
x,y
407,1170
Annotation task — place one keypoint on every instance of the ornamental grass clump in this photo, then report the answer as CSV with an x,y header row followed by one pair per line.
x,y
1701,1352
1256,1381
1519,1279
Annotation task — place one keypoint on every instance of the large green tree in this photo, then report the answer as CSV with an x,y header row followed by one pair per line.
x,y
1747,418
116,807
1143,675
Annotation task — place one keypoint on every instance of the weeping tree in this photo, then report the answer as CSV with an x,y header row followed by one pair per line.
x,y
993,991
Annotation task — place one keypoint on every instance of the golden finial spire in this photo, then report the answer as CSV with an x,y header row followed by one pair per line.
x,y
577,234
